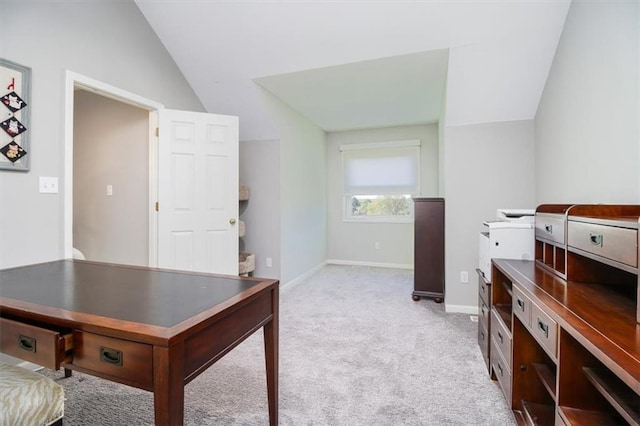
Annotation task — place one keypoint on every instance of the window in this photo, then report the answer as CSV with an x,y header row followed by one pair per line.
x,y
380,179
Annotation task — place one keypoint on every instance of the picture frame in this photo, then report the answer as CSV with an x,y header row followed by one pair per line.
x,y
15,100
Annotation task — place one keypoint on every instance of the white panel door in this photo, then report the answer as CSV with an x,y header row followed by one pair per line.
x,y
198,192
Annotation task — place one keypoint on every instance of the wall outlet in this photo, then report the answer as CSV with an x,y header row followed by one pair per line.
x,y
464,277
48,185
268,262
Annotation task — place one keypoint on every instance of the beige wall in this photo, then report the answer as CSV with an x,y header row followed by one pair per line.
x,y
111,147
355,242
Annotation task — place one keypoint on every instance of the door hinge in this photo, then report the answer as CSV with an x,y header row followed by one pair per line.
x,y
157,206
157,132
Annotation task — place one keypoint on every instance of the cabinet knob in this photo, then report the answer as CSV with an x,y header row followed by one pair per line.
x,y
232,221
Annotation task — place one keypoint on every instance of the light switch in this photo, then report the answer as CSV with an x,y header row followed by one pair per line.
x,y
48,185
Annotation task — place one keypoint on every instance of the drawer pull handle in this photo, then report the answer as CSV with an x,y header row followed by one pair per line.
x,y
112,356
482,335
501,372
27,343
520,304
500,337
549,228
596,239
543,327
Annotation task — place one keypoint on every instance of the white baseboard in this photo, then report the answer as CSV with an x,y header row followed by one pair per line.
x,y
370,264
301,278
462,309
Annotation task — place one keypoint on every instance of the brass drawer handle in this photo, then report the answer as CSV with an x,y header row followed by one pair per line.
x,y
549,228
27,343
500,338
596,239
501,372
520,303
112,356
543,327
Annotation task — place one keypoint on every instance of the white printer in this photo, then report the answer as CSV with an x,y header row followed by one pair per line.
x,y
510,236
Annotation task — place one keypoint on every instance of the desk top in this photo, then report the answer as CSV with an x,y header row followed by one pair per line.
x,y
155,297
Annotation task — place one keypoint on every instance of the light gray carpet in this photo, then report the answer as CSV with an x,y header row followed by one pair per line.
x,y
355,349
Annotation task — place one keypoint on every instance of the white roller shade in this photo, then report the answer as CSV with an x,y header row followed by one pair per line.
x,y
381,169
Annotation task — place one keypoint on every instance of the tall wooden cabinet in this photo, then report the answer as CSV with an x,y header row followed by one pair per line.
x,y
429,249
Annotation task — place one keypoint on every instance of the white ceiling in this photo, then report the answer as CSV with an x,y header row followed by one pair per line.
x,y
363,64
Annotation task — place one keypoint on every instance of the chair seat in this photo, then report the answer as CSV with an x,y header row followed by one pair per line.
x,y
28,398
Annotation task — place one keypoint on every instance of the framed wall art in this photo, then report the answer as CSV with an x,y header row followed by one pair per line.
x,y
15,86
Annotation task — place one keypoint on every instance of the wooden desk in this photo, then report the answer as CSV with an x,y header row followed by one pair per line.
x,y
152,329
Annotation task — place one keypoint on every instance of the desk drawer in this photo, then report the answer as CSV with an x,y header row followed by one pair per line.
x,y
522,306
484,318
35,344
484,289
483,343
501,336
545,330
550,227
131,362
501,370
619,244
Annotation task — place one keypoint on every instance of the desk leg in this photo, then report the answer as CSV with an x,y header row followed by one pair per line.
x,y
271,359
168,385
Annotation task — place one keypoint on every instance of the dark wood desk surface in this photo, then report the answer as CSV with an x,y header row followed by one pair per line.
x,y
599,318
191,319
152,297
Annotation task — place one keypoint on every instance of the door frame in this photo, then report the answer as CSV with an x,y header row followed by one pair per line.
x,y
72,81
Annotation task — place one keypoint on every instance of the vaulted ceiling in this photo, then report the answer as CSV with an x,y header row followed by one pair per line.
x,y
363,64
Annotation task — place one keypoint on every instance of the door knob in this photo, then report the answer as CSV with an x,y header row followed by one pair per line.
x,y
232,221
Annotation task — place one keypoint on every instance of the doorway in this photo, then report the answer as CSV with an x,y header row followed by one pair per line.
x,y
110,173
110,180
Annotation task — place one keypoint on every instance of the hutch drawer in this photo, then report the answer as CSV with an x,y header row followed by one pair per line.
x,y
612,242
129,361
550,227
35,344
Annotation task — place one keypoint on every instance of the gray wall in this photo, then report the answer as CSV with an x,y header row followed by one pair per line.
x,y
260,170
350,242
110,147
107,41
487,166
303,192
587,139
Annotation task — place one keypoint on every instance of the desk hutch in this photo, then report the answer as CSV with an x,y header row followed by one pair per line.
x,y
564,328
